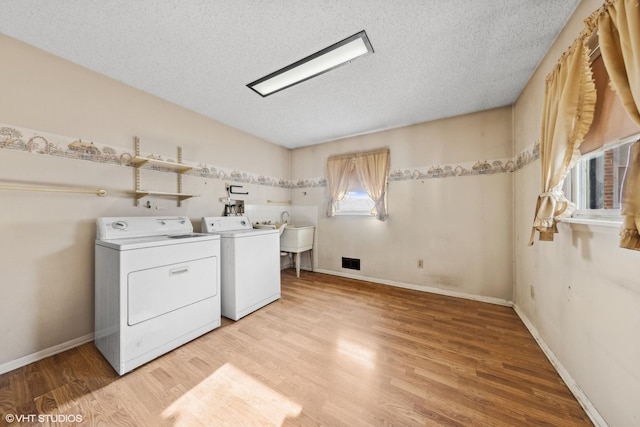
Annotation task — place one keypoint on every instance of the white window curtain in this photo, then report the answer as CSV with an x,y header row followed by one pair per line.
x,y
630,201
569,104
373,171
339,169
372,168
619,33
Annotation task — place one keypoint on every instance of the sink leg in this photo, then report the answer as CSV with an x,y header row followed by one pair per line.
x,y
298,265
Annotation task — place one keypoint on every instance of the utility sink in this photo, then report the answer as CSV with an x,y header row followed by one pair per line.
x,y
294,239
297,238
280,226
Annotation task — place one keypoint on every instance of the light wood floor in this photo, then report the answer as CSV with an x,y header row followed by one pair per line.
x,y
331,352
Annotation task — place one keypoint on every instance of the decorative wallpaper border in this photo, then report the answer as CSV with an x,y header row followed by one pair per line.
x,y
42,143
36,142
528,155
481,167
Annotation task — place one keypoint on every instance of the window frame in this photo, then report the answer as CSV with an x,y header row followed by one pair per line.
x,y
576,183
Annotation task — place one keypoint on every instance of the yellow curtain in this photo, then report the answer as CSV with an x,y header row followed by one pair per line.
x,y
339,169
619,34
569,105
630,201
373,170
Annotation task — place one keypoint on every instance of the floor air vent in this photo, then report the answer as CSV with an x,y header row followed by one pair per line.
x,y
351,263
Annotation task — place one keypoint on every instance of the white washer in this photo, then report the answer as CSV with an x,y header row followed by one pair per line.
x,y
250,270
157,287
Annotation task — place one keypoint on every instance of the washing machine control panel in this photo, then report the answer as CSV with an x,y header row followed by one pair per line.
x,y
215,224
117,228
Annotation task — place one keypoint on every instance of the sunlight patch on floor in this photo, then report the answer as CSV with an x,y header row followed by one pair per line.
x,y
360,354
231,397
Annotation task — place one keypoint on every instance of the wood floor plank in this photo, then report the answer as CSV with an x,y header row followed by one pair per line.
x,y
331,352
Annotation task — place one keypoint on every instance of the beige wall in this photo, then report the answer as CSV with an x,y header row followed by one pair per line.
x,y
585,299
46,239
585,303
448,222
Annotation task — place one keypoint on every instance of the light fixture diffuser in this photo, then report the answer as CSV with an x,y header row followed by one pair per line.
x,y
313,65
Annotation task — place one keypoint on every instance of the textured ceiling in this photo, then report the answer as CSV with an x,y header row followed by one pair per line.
x,y
433,59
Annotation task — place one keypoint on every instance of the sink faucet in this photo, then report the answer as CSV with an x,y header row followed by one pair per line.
x,y
282,217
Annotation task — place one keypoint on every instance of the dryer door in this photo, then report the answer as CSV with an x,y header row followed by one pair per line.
x,y
155,291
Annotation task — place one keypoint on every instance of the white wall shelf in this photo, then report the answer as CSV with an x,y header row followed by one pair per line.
x,y
138,161
139,194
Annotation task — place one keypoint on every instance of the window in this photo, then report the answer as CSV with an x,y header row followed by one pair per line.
x,y
357,184
357,201
596,180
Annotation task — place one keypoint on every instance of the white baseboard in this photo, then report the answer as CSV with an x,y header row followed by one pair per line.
x,y
582,398
42,354
429,289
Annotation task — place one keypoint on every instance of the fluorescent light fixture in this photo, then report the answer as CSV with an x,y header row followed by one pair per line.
x,y
313,65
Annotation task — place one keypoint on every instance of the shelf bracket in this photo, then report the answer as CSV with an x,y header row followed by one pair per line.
x,y
180,177
136,201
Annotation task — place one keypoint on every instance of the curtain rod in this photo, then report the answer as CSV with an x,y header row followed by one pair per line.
x,y
360,153
99,192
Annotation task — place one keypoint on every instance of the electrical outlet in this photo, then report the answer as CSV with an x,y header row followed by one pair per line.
x,y
420,263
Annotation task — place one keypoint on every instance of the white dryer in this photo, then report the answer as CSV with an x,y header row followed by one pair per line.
x,y
157,287
250,264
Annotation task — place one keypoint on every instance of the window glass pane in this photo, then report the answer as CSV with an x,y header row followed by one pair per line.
x,y
604,173
357,202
